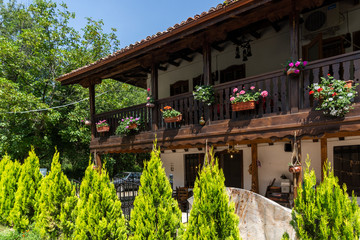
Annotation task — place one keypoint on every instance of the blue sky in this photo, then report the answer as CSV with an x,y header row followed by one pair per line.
x,y
135,20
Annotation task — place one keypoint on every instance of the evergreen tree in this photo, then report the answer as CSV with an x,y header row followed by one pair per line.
x,y
156,214
325,211
212,216
21,216
99,214
50,199
68,217
8,187
4,161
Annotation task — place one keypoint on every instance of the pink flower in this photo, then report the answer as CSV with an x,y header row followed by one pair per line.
x,y
291,64
297,71
297,64
148,89
131,117
127,127
252,87
242,92
148,98
238,94
232,99
304,63
264,93
137,119
122,120
235,90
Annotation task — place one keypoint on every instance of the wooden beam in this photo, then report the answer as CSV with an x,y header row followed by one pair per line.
x,y
207,63
254,169
186,58
98,162
92,109
275,26
324,156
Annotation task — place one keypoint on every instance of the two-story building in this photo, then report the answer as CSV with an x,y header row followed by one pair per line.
x,y
234,45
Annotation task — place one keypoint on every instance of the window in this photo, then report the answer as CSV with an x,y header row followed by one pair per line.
x,y
320,48
179,87
347,167
231,73
193,164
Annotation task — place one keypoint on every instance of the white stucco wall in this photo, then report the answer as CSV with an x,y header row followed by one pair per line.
x,y
274,160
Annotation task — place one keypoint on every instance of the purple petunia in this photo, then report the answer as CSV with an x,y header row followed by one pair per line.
x,y
291,64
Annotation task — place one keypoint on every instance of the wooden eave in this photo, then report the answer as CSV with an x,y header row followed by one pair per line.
x,y
212,27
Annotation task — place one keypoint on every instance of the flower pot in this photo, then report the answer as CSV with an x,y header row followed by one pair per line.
x,y
103,129
242,106
150,105
348,83
173,119
295,169
293,71
87,122
132,126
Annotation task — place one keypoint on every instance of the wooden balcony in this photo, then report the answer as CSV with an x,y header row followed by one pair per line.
x,y
287,108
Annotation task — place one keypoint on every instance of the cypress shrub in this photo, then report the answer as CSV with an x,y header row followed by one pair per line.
x,y
98,212
51,196
325,211
21,216
156,214
8,187
4,161
212,216
68,216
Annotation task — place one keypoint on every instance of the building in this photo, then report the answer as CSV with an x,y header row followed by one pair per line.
x,y
234,45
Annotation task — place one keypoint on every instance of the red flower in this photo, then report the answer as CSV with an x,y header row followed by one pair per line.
x,y
320,89
334,94
311,92
329,74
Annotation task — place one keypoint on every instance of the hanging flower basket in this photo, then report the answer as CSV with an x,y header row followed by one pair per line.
x,y
173,119
103,129
242,106
293,71
295,169
132,126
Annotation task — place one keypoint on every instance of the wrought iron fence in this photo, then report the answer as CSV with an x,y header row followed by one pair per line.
x,y
126,192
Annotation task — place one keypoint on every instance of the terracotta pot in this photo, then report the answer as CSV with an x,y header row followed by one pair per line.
x,y
150,105
103,129
132,126
241,106
348,83
295,169
291,71
173,119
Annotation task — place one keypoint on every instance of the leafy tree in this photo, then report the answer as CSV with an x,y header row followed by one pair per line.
x,y
99,214
29,69
156,214
212,216
50,199
325,211
8,187
21,216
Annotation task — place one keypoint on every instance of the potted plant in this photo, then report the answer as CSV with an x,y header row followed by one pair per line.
x,y
295,167
336,96
205,94
102,126
150,100
128,125
171,115
294,67
246,100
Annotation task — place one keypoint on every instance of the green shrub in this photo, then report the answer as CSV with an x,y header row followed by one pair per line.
x,y
211,216
98,212
21,216
325,211
50,198
156,214
4,161
8,187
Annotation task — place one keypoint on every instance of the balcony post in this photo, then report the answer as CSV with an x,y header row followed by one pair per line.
x,y
207,73
154,91
294,54
254,168
92,109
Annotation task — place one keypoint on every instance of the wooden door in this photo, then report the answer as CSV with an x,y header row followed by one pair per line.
x,y
232,165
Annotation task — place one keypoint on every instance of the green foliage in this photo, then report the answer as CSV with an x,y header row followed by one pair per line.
x,y
29,234
249,95
205,94
8,187
212,216
156,214
99,214
54,189
325,211
21,216
125,123
169,112
3,163
285,236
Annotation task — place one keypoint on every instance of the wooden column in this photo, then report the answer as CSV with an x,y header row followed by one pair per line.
x,y
294,55
207,63
92,109
254,168
298,176
324,156
154,85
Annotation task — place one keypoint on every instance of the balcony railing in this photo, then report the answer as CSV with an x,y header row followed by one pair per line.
x,y
346,67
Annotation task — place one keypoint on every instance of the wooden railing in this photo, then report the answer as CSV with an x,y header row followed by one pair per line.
x,y
346,66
